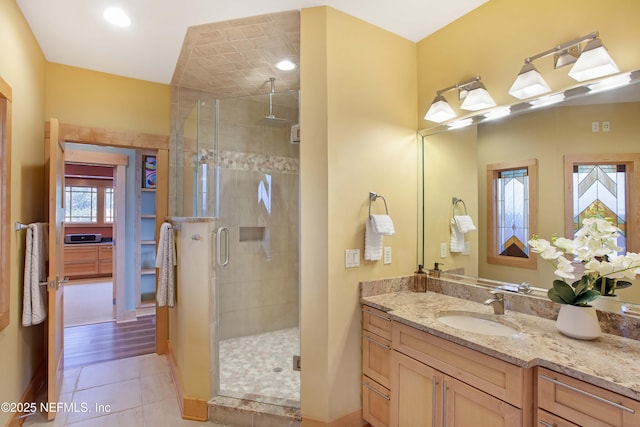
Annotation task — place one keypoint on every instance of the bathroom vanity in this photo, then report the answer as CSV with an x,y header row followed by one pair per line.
x,y
418,371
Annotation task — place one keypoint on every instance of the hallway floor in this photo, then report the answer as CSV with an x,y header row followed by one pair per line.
x,y
138,391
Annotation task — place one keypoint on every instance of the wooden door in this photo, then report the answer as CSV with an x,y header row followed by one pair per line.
x,y
466,406
54,171
416,393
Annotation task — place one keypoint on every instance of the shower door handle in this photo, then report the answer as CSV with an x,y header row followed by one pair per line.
x,y
221,230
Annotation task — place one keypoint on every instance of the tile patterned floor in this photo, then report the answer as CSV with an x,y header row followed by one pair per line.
x,y
260,367
139,391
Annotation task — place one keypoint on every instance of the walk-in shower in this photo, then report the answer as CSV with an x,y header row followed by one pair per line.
x,y
235,161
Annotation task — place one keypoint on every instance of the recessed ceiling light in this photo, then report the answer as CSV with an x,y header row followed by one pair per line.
x,y
116,16
285,65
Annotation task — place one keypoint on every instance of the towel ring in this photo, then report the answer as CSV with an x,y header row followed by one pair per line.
x,y
455,201
372,198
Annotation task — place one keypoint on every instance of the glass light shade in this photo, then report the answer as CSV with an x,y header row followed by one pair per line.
x,y
440,110
529,83
610,83
477,99
594,61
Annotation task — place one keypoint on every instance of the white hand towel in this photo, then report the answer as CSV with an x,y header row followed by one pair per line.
x,y
372,243
34,309
165,262
464,223
382,224
456,244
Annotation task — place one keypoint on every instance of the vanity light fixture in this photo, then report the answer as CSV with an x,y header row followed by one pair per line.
x,y
589,62
458,124
610,83
547,100
497,113
475,96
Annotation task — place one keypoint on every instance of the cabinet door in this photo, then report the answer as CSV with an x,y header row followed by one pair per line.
x,y
466,406
416,393
546,419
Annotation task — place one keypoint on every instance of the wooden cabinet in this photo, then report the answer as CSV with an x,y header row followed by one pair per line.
x,y
423,396
376,366
411,378
87,260
575,402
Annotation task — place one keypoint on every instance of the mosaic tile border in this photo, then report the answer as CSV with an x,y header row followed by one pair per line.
x,y
258,162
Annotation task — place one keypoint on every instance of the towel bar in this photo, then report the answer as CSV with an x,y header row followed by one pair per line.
x,y
372,198
21,226
455,201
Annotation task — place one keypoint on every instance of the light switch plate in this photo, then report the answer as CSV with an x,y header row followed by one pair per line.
x,y
387,255
352,258
443,250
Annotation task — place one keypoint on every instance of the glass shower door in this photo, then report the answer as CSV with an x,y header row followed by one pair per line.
x,y
257,292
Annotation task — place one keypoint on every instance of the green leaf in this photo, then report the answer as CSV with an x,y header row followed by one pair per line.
x,y
553,296
586,297
564,291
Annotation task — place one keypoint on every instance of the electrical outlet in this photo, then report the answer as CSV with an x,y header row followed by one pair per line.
x,y
387,255
443,250
606,126
595,126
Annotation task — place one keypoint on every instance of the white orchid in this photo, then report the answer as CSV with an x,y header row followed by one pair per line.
x,y
595,245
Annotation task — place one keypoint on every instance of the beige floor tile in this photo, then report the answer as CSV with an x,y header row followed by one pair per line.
x,y
157,387
116,397
128,418
152,364
70,379
40,419
108,373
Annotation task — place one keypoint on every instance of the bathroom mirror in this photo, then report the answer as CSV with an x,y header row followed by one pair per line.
x,y
454,164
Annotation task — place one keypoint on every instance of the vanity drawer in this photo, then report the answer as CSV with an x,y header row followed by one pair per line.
x,y
500,379
584,404
376,358
376,403
546,419
376,321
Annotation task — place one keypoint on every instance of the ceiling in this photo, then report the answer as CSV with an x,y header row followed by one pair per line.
x,y
73,32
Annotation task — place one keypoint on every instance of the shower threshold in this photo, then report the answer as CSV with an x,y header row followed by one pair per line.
x,y
225,409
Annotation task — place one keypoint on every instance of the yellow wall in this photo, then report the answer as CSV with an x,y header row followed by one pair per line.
x,y
90,98
548,136
492,41
358,119
456,150
23,67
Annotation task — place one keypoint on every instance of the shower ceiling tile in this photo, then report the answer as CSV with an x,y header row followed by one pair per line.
x,y
237,57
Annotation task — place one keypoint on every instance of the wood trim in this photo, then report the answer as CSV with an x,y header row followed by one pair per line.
x,y
113,138
353,419
5,203
119,230
95,158
30,393
190,408
632,162
162,211
493,257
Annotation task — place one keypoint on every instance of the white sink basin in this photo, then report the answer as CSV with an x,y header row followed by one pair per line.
x,y
478,323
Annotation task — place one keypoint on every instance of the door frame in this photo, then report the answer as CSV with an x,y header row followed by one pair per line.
x,y
119,162
138,141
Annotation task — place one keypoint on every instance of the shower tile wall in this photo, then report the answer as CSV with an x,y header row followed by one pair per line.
x,y
259,289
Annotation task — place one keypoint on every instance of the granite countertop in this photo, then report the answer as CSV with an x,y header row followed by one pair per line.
x,y
610,362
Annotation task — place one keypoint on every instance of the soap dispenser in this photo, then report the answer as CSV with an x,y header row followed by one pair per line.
x,y
419,283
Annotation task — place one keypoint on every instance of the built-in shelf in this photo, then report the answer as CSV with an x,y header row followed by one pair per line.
x,y
146,271
148,242
148,216
148,189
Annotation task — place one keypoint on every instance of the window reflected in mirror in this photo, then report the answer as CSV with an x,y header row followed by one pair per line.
x,y
512,202
603,185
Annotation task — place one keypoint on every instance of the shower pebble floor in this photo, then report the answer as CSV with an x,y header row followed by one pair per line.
x,y
260,367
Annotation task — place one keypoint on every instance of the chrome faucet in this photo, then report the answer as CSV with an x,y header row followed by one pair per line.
x,y
497,302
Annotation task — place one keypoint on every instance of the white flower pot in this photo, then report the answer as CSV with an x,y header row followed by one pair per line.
x,y
578,322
